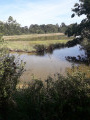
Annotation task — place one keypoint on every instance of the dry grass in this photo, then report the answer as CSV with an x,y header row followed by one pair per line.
x,y
81,69
13,37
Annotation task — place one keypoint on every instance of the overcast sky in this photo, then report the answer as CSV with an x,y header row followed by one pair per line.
x,y
28,12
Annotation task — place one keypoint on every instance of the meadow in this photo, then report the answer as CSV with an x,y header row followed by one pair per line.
x,y
26,43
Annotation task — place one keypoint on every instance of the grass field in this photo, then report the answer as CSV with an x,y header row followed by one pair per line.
x,y
17,37
26,43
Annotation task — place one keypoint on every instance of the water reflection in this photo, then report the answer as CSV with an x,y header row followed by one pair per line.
x,y
42,66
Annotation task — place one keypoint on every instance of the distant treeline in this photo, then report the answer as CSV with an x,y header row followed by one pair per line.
x,y
11,27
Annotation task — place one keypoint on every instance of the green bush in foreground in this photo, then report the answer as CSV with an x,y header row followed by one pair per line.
x,y
9,74
10,71
61,98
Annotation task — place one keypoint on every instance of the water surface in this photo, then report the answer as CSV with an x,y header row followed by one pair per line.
x,y
49,64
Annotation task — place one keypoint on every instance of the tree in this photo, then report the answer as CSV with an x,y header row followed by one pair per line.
x,y
71,30
10,19
63,24
82,8
63,27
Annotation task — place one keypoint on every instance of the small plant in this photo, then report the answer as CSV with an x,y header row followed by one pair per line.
x,y
39,48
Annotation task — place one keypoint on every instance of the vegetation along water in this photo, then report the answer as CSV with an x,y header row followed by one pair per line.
x,y
45,69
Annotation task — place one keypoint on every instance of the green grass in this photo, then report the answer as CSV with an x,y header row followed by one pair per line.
x,y
28,45
27,42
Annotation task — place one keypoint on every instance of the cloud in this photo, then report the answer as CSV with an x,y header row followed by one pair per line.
x,y
41,12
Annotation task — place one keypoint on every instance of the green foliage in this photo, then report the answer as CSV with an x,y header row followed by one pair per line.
x,y
83,29
39,48
59,98
72,30
44,28
82,8
11,27
10,71
9,74
63,27
48,49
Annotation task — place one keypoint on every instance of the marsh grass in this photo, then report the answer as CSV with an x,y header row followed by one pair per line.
x,y
17,37
38,38
26,43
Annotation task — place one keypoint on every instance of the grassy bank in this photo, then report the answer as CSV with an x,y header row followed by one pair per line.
x,y
26,43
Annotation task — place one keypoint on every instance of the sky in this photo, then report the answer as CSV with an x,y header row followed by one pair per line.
x,y
27,12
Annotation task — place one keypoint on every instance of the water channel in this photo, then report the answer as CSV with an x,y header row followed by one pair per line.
x,y
40,67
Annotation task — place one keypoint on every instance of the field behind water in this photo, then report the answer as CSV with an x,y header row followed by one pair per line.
x,y
27,42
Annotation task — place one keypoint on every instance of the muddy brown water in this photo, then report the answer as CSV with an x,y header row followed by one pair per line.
x,y
40,67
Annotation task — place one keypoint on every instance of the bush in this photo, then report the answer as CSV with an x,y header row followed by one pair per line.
x,y
61,98
39,48
10,71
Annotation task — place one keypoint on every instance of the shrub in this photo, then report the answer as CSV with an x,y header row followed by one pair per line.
x,y
60,98
10,71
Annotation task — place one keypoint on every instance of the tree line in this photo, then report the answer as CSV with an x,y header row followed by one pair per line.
x,y
11,27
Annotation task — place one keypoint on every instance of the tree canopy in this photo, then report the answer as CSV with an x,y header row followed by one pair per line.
x,y
83,29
